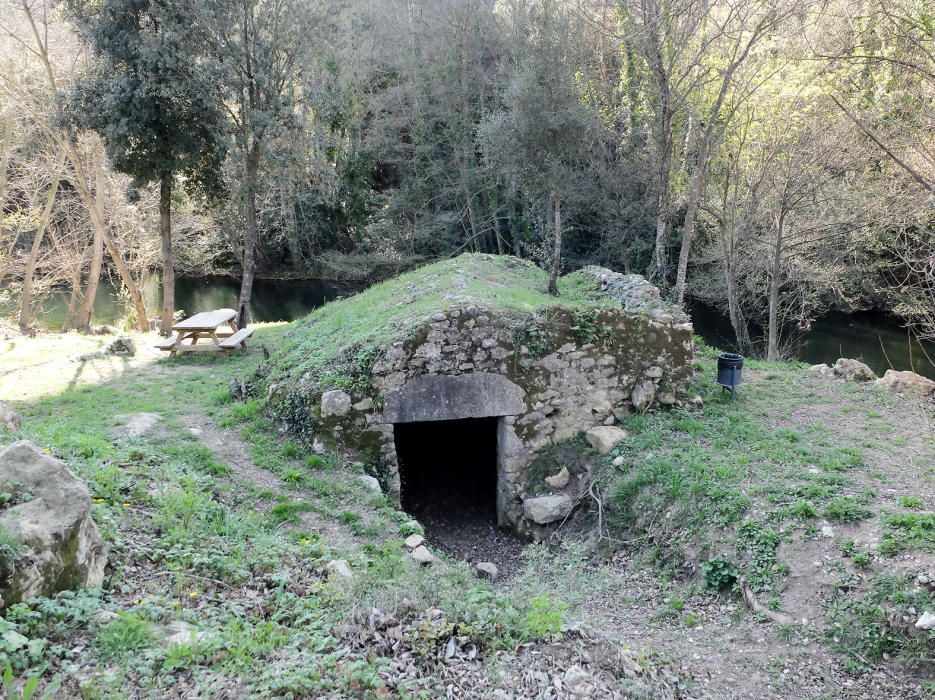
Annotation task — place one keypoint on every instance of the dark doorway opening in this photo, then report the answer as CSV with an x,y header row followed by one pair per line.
x,y
448,482
448,469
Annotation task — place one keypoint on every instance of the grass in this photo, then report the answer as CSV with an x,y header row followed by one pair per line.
x,y
188,540
191,542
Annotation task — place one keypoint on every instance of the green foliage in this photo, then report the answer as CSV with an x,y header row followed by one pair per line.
x,y
127,634
9,553
908,531
847,509
241,412
863,627
911,502
758,542
535,336
149,94
588,328
544,618
317,462
29,690
719,574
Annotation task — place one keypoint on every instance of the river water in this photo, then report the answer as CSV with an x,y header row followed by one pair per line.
x,y
876,339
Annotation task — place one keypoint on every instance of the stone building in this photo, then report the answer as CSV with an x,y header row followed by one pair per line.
x,y
486,350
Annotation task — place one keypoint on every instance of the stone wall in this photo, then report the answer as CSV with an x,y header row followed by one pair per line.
x,y
548,377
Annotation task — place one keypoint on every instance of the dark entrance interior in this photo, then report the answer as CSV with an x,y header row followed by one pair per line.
x,y
448,470
448,482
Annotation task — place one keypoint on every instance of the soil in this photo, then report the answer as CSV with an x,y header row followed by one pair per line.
x,y
471,537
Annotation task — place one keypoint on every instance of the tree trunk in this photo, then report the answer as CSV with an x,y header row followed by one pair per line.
x,y
73,299
287,199
772,348
664,146
737,321
83,320
251,168
691,211
557,255
168,263
6,149
31,262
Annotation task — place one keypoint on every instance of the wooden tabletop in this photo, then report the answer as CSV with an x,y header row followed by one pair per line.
x,y
206,320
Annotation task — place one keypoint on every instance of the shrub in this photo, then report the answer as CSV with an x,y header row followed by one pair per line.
x,y
719,573
128,633
846,509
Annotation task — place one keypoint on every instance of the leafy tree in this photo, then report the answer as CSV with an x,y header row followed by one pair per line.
x,y
540,140
152,98
264,49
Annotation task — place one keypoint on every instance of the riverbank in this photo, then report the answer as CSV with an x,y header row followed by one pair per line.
x,y
819,492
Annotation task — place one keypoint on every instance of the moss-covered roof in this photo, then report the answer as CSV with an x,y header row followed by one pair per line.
x,y
349,330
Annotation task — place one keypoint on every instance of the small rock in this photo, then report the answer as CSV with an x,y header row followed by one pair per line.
x,y
560,480
179,632
653,373
363,405
370,482
697,401
340,568
580,683
821,370
9,418
121,346
610,420
136,425
423,556
617,461
604,438
547,509
414,541
667,399
827,531
102,617
642,395
486,569
335,403
926,622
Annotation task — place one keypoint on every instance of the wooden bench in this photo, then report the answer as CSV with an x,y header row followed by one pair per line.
x,y
166,344
237,340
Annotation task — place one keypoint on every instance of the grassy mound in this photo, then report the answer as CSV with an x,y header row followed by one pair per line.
x,y
336,342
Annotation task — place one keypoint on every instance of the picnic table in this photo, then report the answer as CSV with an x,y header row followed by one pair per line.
x,y
218,326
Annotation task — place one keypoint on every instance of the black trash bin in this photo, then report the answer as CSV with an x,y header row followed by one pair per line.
x,y
730,371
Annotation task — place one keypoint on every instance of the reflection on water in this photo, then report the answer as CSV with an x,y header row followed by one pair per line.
x,y
873,338
273,300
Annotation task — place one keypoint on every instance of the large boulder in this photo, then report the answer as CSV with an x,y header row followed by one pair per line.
x,y
9,418
543,510
908,383
59,546
853,370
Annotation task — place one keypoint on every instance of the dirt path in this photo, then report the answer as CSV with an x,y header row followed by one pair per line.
x,y
231,450
728,652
